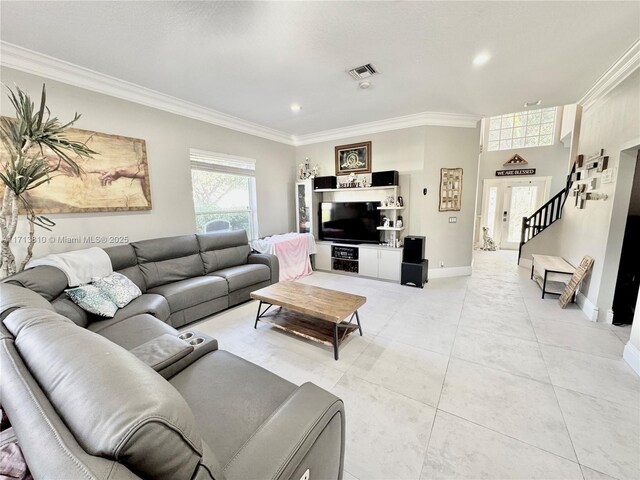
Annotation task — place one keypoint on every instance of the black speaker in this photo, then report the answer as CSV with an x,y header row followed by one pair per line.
x,y
384,179
413,251
324,182
416,274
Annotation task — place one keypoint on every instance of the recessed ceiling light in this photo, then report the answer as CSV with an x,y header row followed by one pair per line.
x,y
364,85
533,104
481,59
295,107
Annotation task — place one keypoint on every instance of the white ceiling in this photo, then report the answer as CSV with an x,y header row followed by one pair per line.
x,y
253,60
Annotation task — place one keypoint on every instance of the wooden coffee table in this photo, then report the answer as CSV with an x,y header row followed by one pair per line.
x,y
310,312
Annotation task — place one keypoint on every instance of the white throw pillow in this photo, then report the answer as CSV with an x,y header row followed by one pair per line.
x,y
118,288
92,299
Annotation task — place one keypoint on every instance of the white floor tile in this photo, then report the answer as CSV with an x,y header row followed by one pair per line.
x,y
407,370
577,337
606,436
421,332
609,379
463,450
515,406
387,433
514,355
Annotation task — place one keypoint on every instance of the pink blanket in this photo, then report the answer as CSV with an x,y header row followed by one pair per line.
x,y
293,257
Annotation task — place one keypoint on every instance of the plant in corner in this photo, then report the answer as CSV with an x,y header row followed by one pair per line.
x,y
36,148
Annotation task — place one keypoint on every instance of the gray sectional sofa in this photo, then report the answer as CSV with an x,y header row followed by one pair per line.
x,y
131,397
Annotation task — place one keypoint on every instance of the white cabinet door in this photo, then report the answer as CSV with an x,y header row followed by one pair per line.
x,y
389,266
368,262
323,257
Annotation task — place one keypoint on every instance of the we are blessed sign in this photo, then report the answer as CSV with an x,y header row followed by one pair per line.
x,y
515,172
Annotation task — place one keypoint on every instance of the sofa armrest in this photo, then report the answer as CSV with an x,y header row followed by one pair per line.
x,y
163,351
270,261
305,433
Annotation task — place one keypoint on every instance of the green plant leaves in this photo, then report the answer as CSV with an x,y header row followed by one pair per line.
x,y
36,129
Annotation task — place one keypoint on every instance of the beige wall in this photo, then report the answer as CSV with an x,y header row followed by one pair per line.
x,y
169,138
612,123
418,153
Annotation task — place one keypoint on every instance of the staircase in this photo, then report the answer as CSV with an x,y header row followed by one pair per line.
x,y
546,215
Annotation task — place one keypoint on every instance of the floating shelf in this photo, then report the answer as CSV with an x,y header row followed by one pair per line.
x,y
390,208
391,229
356,189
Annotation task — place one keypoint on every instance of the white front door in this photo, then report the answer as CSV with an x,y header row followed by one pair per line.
x,y
505,201
521,199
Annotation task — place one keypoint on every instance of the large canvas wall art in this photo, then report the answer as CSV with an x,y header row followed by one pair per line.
x,y
115,179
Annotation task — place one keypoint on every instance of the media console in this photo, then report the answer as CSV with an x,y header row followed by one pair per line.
x,y
375,261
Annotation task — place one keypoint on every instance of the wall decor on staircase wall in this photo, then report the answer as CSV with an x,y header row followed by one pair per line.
x,y
116,178
588,176
450,189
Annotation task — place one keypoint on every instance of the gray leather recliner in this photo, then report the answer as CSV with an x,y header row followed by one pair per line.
x,y
84,407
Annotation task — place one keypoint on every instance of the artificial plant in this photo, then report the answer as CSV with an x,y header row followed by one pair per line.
x,y
36,148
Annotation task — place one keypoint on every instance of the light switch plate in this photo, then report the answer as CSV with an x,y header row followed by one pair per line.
x,y
305,475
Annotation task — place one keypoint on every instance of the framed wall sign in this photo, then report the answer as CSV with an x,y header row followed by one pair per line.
x,y
514,172
450,189
354,158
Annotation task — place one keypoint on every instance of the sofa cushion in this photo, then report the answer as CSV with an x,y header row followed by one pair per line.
x,y
166,260
14,296
135,417
223,249
244,275
118,288
134,331
155,305
45,280
192,291
93,300
244,387
124,261
73,312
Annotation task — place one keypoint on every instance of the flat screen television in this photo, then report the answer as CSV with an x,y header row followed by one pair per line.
x,y
350,222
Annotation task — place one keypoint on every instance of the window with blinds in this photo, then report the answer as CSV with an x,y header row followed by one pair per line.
x,y
224,192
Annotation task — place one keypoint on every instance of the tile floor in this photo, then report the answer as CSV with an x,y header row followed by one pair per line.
x,y
471,377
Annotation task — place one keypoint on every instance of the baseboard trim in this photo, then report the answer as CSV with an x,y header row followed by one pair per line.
x,y
631,355
450,272
589,309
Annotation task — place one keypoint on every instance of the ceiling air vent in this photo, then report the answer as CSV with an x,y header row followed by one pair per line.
x,y
364,71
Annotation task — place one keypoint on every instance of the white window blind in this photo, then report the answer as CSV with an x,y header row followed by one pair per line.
x,y
221,163
224,192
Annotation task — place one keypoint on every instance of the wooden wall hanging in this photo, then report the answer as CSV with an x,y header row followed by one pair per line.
x,y
450,189
576,279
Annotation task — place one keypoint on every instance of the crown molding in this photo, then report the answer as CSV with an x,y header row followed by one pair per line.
x,y
397,123
35,63
621,69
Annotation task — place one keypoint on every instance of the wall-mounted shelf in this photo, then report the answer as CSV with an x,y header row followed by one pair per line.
x,y
390,208
356,189
391,229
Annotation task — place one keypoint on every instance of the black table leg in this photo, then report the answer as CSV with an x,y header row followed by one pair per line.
x,y
358,320
335,341
258,315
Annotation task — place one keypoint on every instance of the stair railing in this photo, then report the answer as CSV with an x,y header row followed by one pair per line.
x,y
546,215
